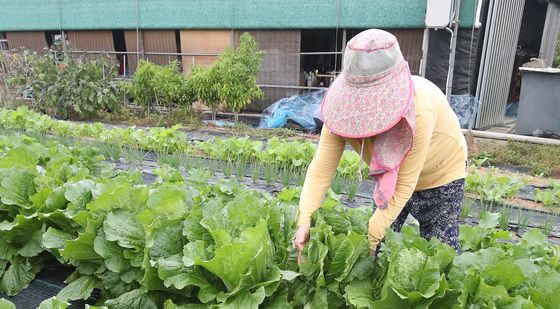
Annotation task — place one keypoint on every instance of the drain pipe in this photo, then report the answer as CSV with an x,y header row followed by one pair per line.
x,y
425,45
511,137
453,47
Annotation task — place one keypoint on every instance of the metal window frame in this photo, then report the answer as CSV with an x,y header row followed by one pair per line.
x,y
3,38
297,87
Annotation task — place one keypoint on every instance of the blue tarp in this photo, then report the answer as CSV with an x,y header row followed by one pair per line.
x,y
302,109
465,107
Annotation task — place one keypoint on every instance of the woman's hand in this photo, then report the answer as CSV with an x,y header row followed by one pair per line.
x,y
302,236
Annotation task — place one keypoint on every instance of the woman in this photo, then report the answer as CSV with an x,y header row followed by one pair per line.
x,y
405,129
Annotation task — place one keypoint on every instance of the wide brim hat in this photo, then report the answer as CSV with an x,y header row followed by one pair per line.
x,y
374,91
374,97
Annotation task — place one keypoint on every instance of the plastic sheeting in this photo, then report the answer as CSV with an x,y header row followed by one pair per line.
x,y
305,110
437,64
219,123
302,109
465,107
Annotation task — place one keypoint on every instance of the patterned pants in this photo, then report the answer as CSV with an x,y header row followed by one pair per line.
x,y
438,211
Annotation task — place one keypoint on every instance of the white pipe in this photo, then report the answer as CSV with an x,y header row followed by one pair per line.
x,y
425,46
512,137
477,23
453,48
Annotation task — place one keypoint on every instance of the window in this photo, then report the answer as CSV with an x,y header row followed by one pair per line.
x,y
3,41
56,39
321,55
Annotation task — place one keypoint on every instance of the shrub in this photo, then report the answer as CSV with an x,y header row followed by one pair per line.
x,y
160,85
66,85
231,79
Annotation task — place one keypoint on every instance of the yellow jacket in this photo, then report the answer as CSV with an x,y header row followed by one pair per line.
x,y
438,156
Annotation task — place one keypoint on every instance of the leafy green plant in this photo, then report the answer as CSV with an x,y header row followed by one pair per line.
x,y
270,172
473,182
549,223
240,168
109,150
548,197
337,184
301,174
153,85
286,175
505,212
227,168
351,165
231,79
239,148
146,245
213,165
352,189
480,159
492,188
523,219
288,154
484,235
70,85
255,172
466,208
133,155
165,157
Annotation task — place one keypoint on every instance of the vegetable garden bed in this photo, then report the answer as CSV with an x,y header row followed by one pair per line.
x,y
189,238
279,161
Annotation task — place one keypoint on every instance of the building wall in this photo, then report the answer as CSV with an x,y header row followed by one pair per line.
x,y
217,14
101,40
151,41
33,40
203,42
410,42
91,41
280,66
160,41
133,46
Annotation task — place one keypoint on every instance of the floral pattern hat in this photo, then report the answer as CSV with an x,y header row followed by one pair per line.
x,y
373,97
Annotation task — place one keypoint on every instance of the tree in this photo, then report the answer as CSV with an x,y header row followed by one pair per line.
x,y
231,79
240,69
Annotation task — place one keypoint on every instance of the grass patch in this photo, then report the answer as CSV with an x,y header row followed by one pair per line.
x,y
182,116
538,159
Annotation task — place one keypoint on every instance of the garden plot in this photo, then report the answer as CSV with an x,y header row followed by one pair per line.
x,y
275,158
207,241
512,217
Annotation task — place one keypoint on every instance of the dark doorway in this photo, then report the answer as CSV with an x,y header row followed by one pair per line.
x,y
321,65
120,47
529,43
54,38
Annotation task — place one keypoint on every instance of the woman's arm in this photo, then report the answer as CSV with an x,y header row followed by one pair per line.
x,y
409,173
320,174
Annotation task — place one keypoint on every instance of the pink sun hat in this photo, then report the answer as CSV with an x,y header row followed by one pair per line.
x,y
374,97
374,90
